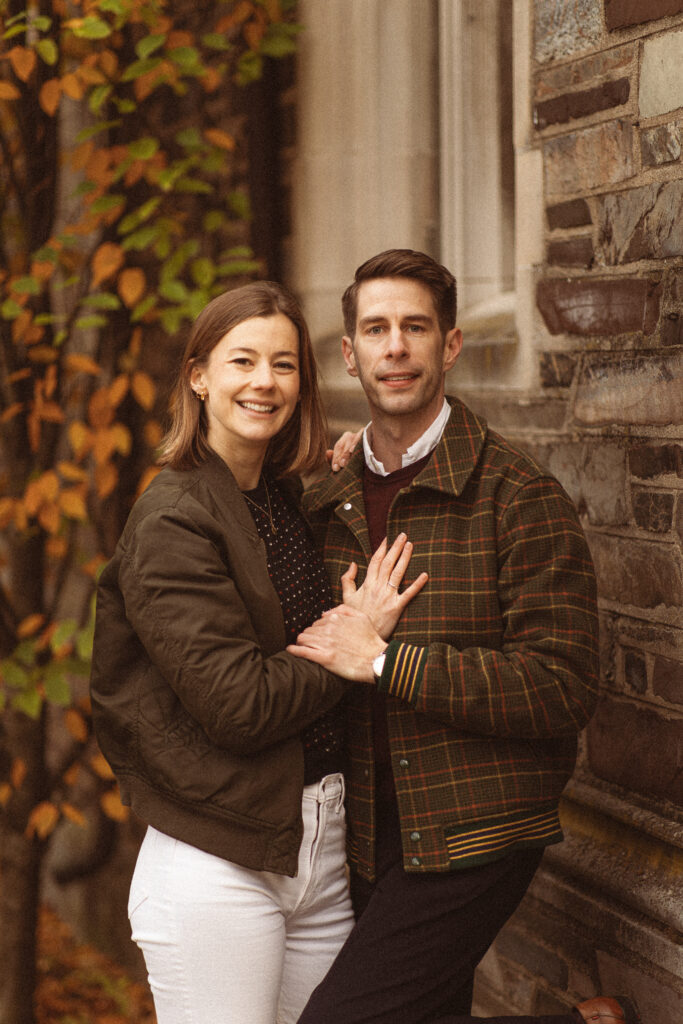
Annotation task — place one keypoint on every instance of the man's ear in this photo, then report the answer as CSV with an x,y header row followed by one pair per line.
x,y
452,348
349,357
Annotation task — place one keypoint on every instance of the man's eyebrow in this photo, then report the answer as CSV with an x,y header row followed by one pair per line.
x,y
422,318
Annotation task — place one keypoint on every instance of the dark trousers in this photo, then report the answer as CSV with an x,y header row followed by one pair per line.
x,y
418,938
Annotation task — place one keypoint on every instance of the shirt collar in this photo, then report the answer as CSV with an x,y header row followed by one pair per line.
x,y
423,446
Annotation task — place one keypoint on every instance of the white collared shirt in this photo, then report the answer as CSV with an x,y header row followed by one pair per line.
x,y
423,446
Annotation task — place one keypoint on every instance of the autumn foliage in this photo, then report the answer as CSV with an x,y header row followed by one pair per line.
x,y
123,210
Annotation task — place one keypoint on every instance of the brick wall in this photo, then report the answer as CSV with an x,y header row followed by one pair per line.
x,y
606,416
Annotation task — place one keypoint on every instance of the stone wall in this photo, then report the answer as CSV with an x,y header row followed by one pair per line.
x,y
605,414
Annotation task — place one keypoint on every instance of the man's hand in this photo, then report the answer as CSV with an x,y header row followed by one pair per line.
x,y
343,641
378,597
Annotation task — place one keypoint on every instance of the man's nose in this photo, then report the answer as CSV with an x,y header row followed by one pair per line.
x,y
396,343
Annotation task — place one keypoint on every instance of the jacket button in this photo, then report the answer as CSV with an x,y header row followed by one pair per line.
x,y
415,861
404,762
347,506
415,836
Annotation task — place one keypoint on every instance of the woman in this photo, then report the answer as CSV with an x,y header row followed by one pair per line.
x,y
228,747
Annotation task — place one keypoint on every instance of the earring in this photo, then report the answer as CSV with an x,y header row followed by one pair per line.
x,y
201,395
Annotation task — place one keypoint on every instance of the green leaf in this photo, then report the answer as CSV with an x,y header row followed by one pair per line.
x,y
105,203
30,702
189,138
125,106
187,59
143,308
63,633
84,642
25,653
18,30
213,220
238,267
45,319
215,41
191,185
240,205
173,291
10,309
92,28
148,45
102,300
46,254
85,322
98,97
26,286
47,51
140,67
279,40
113,7
41,23
197,301
140,239
14,675
203,272
95,129
143,149
171,319
57,686
249,68
133,219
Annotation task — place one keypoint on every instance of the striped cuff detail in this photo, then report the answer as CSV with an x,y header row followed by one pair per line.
x,y
403,670
489,840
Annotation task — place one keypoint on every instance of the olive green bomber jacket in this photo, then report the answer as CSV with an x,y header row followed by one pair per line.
x,y
196,705
492,670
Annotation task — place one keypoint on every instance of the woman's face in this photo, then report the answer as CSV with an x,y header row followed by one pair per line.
x,y
251,381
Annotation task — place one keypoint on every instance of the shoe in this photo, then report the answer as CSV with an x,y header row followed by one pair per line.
x,y
603,1010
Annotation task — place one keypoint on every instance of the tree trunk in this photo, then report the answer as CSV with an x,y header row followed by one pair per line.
x,y
20,861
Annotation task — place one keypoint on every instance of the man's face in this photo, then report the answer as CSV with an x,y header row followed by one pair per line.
x,y
399,353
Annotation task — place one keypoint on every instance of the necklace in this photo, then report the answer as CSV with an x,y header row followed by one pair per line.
x,y
266,511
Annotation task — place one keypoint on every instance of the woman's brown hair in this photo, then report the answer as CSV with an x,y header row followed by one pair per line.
x,y
300,446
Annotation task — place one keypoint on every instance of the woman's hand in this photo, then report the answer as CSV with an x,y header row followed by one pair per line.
x,y
343,641
379,597
343,450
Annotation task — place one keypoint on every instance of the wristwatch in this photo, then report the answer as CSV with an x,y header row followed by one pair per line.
x,y
378,665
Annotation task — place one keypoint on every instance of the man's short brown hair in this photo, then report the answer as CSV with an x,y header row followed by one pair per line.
x,y
411,264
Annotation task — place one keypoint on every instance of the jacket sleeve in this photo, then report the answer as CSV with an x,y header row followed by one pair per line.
x,y
542,680
188,614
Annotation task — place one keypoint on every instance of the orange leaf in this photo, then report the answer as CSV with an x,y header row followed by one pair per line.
x,y
42,820
11,411
210,80
56,547
100,766
44,488
7,506
121,438
89,74
220,138
131,285
135,342
106,261
80,438
106,479
23,61
72,774
93,565
5,788
109,62
42,269
112,806
17,772
30,625
50,95
72,86
77,362
52,412
72,503
153,433
146,479
144,389
41,353
118,389
75,723
73,814
103,446
100,411
49,518
70,471
9,91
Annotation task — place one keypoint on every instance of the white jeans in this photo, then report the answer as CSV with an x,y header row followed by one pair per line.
x,y
227,945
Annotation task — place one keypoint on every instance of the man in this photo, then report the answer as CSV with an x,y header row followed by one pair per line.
x,y
465,734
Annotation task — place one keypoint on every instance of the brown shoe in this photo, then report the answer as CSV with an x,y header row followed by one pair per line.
x,y
603,1010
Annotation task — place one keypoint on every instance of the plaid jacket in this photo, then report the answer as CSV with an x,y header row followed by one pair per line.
x,y
492,670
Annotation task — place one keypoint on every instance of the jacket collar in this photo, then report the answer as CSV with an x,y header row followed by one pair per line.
x,y
450,467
